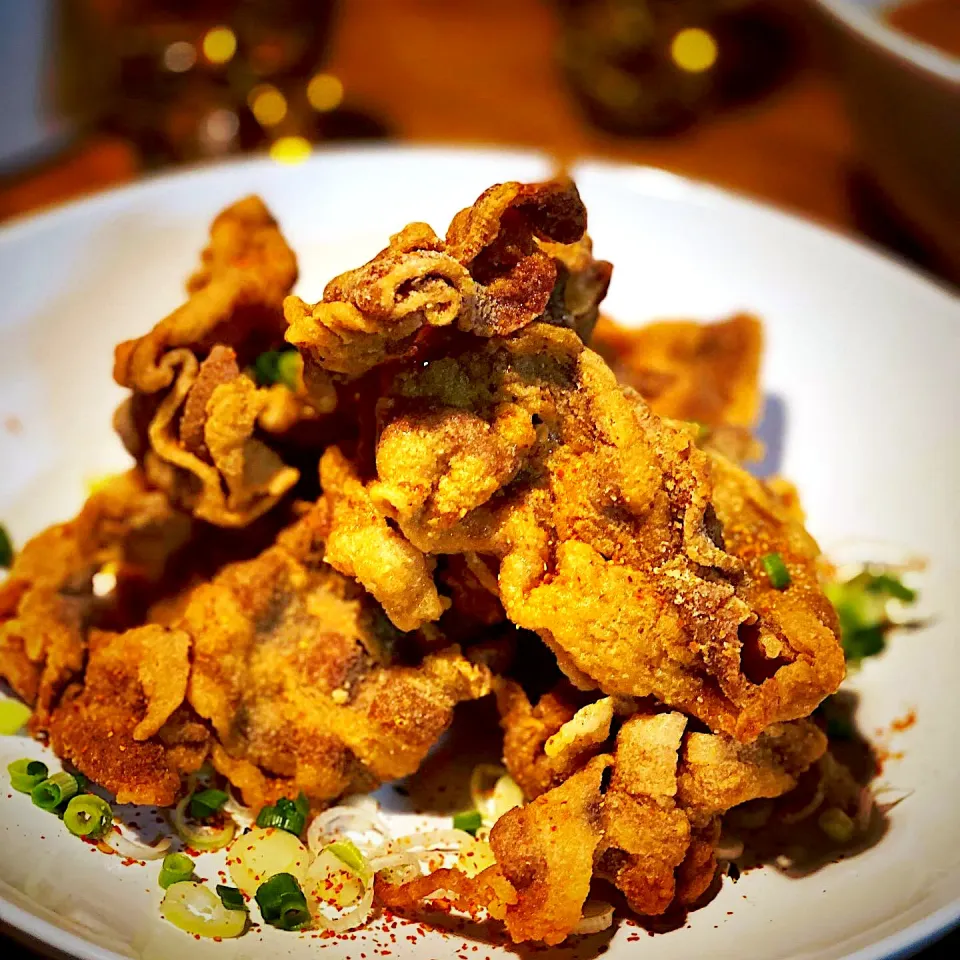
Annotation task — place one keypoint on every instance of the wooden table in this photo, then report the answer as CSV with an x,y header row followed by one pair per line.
x,y
483,71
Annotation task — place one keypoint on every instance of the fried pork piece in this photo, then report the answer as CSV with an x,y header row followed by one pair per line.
x,y
652,831
517,255
716,774
646,834
126,727
299,673
47,603
705,372
528,729
362,545
194,421
545,853
603,518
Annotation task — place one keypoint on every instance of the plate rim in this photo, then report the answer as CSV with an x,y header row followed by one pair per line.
x,y
645,179
656,180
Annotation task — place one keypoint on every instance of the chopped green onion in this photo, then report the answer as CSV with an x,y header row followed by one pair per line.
x,y
286,815
469,822
836,825
176,868
206,803
201,837
840,728
197,910
890,586
861,605
87,815
26,774
13,716
82,781
231,897
777,571
53,791
282,903
346,852
6,548
862,643
277,366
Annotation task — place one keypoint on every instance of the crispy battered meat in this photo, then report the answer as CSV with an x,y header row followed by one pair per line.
x,y
545,850
517,254
646,835
362,545
705,372
219,367
235,300
123,727
47,603
596,498
528,728
486,471
192,418
296,669
545,854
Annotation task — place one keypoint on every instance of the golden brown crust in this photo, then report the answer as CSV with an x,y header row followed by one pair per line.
x,y
496,271
685,370
527,728
528,450
235,297
545,850
362,545
117,727
645,834
192,418
47,602
295,668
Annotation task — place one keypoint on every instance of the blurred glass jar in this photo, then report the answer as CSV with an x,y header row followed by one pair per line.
x,y
651,66
191,72
55,78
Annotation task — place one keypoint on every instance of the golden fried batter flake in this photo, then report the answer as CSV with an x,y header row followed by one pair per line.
x,y
296,669
517,254
527,729
122,727
235,296
704,372
192,417
645,834
47,603
362,545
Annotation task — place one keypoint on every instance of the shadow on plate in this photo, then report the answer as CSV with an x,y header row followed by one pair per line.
x,y
771,432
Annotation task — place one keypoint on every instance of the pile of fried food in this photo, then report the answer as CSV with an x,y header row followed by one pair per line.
x,y
444,480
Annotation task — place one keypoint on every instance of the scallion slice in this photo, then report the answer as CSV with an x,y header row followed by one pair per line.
x,y
469,822
282,903
13,716
347,853
176,868
286,814
231,897
206,803
777,571
26,774
837,825
6,548
53,791
278,366
87,815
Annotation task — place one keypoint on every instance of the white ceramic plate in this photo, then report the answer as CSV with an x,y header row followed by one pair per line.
x,y
862,361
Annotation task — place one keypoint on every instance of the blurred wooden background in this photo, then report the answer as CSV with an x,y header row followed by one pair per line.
x,y
485,71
